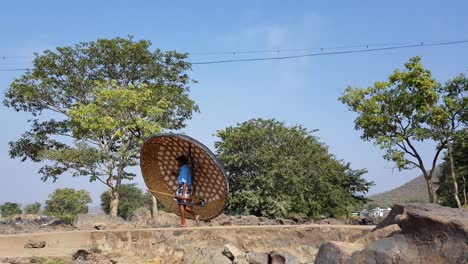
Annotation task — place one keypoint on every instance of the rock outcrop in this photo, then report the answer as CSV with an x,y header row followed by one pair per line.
x,y
413,233
99,222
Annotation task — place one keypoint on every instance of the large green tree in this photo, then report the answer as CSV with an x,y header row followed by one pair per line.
x,y
66,203
276,170
397,113
445,190
9,209
91,106
449,118
131,198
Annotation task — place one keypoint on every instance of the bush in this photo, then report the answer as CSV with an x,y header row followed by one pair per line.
x,y
279,171
130,198
10,209
66,203
34,208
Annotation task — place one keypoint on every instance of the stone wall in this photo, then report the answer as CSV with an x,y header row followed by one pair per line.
x,y
205,244
193,244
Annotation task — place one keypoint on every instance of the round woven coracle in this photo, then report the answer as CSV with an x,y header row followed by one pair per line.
x,y
160,170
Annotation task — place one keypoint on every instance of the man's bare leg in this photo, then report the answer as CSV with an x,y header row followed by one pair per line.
x,y
182,214
195,215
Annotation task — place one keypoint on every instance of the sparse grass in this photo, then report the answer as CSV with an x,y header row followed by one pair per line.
x,y
48,260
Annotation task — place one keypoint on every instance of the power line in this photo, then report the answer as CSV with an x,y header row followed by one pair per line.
x,y
420,44
298,50
234,52
259,51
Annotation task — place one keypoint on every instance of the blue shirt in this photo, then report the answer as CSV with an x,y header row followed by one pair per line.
x,y
185,175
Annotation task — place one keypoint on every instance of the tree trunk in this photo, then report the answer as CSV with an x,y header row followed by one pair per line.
x,y
430,190
452,173
155,207
114,202
464,190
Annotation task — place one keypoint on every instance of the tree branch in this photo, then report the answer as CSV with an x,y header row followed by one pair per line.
x,y
434,161
421,163
403,147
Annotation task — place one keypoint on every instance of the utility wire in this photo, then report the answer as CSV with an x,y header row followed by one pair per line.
x,y
298,50
420,44
234,52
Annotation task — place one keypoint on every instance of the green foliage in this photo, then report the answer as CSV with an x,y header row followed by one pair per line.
x,y
275,170
66,203
394,113
460,158
130,198
107,95
10,209
34,208
450,120
410,107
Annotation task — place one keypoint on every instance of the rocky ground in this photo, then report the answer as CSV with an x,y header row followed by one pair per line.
x,y
32,224
415,233
140,219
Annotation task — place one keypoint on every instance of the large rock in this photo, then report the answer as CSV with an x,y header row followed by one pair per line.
x,y
377,234
142,217
35,244
337,252
413,233
282,257
232,252
167,219
257,257
99,221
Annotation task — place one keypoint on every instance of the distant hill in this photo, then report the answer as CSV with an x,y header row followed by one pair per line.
x,y
414,191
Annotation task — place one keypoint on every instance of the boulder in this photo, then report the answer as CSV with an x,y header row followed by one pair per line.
x,y
337,252
98,221
35,244
232,252
257,257
397,249
142,217
82,255
167,219
379,234
282,257
411,233
242,260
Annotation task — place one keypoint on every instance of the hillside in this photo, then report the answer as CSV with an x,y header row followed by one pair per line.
x,y
412,191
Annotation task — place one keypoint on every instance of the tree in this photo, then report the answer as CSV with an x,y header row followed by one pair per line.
x,y
275,170
10,209
131,198
445,191
449,117
395,114
66,203
94,103
34,208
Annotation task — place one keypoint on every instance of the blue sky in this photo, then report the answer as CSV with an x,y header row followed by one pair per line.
x,y
298,91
